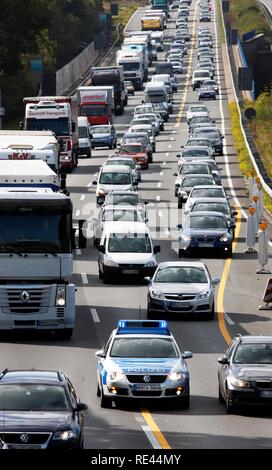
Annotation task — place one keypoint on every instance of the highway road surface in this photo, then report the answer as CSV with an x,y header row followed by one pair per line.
x,y
99,306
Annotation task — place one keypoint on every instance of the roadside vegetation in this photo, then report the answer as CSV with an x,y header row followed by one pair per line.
x,y
126,8
246,16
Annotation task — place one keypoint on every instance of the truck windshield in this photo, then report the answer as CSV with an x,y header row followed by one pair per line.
x,y
93,110
34,233
128,66
83,132
59,126
158,98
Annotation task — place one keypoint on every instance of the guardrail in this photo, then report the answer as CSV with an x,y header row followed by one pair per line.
x,y
266,11
82,76
253,153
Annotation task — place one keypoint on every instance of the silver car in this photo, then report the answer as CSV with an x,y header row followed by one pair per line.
x,y
113,178
181,287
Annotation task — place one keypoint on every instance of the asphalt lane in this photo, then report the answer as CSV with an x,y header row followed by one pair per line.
x,y
100,306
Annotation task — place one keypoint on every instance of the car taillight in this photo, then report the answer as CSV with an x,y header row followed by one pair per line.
x,y
69,144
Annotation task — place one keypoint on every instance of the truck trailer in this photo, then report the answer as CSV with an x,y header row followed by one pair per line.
x,y
111,76
97,103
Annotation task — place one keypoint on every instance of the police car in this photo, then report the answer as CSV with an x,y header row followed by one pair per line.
x,y
142,360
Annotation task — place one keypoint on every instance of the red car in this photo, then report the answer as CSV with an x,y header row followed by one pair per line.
x,y
136,151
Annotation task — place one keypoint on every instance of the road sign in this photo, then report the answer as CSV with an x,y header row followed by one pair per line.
x,y
250,113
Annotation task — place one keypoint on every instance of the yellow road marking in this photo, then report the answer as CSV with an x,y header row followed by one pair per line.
x,y
186,87
156,431
223,283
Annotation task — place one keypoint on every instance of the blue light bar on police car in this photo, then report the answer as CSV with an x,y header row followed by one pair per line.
x,y
143,327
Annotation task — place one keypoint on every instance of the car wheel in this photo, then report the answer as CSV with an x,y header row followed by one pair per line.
x,y
220,397
181,253
180,202
98,391
65,334
229,405
210,316
104,401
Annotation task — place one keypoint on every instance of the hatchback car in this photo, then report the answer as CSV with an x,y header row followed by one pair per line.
x,y
189,168
215,136
216,192
39,410
190,181
193,153
137,151
212,83
197,110
245,371
207,92
104,136
114,160
180,288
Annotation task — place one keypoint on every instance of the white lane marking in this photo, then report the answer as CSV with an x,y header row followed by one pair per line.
x,y
95,315
170,146
228,319
173,132
161,173
223,127
164,163
149,433
84,278
269,243
82,197
167,154
89,184
158,198
159,184
160,214
150,436
78,213
78,251
172,138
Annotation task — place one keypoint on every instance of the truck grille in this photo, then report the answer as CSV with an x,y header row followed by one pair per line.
x,y
25,301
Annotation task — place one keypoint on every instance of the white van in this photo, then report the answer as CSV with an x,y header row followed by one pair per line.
x,y
84,137
126,248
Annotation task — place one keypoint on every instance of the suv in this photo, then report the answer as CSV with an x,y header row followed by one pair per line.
x,y
244,375
39,410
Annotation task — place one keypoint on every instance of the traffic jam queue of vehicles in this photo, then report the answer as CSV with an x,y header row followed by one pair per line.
x,y
40,235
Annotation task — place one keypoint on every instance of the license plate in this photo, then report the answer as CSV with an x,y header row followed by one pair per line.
x,y
266,394
205,245
146,387
130,271
180,304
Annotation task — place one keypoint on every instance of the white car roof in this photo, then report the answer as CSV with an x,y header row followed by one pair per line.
x,y
126,227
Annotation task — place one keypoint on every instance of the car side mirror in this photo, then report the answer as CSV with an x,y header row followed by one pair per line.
x,y
222,137
187,355
216,281
157,249
95,183
178,155
179,226
223,360
101,249
147,280
100,354
175,174
81,407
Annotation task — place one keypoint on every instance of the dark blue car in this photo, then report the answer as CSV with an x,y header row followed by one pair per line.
x,y
206,230
104,135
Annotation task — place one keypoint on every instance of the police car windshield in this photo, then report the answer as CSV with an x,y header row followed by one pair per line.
x,y
144,348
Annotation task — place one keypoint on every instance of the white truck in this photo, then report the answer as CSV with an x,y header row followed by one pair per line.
x,y
30,145
97,103
36,251
59,115
138,44
133,64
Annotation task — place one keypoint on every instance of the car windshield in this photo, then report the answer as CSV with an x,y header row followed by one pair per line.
x,y
140,120
211,206
123,199
195,153
29,397
184,274
197,119
207,192
196,181
189,169
144,347
115,178
260,353
120,215
143,110
140,139
201,74
100,130
131,149
206,222
201,143
132,243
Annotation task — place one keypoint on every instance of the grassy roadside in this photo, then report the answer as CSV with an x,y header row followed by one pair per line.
x,y
220,16
245,15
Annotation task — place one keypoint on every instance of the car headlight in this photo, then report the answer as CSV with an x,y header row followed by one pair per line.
x,y
115,376
64,435
224,238
156,294
150,264
203,295
186,238
175,376
61,297
239,383
109,262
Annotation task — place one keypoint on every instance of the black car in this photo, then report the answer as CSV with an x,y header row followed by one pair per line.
x,y
245,372
214,135
207,92
39,410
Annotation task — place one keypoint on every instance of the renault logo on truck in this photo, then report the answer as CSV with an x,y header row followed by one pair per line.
x,y
25,297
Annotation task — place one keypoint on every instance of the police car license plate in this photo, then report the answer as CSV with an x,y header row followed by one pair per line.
x,y
146,387
266,394
130,271
205,245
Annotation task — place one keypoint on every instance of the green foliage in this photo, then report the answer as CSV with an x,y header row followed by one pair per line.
x,y
246,16
243,156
